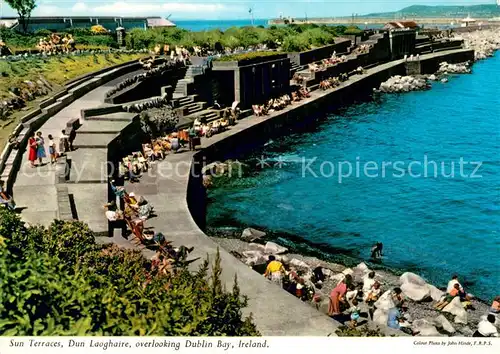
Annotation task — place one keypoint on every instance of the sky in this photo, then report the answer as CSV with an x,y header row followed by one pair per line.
x,y
226,9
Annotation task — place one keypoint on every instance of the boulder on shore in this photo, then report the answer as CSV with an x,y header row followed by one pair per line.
x,y
385,301
442,322
435,293
412,278
251,235
416,292
254,257
425,328
274,248
380,317
456,308
299,264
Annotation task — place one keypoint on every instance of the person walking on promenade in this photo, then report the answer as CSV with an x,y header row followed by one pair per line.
x,y
192,138
63,142
40,147
52,150
32,150
71,139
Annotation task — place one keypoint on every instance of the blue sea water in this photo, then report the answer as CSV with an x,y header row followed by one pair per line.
x,y
206,25
435,226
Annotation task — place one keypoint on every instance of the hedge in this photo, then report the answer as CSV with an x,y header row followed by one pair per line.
x,y
58,281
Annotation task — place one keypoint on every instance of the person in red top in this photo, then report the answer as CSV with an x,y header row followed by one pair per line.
x,y
449,297
32,146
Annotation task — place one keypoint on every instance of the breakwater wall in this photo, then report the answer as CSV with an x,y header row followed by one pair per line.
x,y
310,56
249,134
10,159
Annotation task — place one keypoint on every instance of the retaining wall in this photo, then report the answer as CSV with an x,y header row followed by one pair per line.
x,y
11,159
310,56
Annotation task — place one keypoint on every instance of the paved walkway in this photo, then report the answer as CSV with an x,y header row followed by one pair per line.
x,y
275,312
35,189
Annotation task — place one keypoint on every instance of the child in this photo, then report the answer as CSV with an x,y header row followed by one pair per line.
x,y
449,297
52,150
354,311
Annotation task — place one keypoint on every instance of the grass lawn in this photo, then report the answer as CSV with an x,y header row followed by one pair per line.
x,y
56,70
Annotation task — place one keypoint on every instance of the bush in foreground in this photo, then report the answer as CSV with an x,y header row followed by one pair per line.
x,y
58,281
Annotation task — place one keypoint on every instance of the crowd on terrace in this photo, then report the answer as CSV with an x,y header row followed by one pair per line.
x,y
55,44
326,63
277,104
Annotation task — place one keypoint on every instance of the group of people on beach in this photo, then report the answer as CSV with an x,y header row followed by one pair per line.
x,y
347,296
37,149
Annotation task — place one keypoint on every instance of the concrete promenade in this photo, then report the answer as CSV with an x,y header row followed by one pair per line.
x,y
275,311
35,189
165,186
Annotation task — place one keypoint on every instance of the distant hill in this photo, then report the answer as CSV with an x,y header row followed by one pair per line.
x,y
484,11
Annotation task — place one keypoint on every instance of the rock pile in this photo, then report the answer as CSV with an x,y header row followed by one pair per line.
x,y
23,93
484,43
445,68
420,296
397,84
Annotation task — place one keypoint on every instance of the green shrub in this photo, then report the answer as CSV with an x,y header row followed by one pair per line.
x,y
295,44
57,281
353,30
344,331
43,32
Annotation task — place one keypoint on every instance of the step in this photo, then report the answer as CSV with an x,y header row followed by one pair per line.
x,y
89,200
91,141
53,108
63,203
102,127
114,117
88,166
194,110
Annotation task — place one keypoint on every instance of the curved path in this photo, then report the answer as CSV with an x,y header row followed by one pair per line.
x,y
35,189
275,312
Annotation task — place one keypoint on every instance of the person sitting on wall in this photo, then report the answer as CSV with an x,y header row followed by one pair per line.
x,y
224,123
6,199
158,151
115,219
295,97
174,142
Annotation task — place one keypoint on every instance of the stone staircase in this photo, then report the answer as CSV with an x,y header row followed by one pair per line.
x,y
86,178
182,86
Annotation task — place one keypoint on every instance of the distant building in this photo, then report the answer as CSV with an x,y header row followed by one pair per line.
x,y
61,23
401,25
468,21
